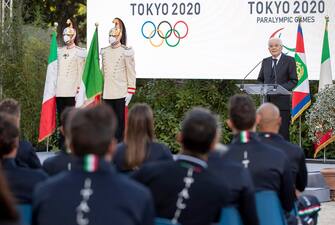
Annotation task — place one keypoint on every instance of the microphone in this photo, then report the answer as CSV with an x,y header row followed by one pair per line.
x,y
242,84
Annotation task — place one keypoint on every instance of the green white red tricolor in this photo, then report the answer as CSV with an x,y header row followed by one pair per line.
x,y
48,111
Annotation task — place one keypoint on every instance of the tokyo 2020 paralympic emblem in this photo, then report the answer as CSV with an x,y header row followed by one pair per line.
x,y
149,30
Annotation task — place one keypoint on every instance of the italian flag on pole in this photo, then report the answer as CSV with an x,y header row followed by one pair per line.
x,y
326,70
325,79
92,80
48,112
301,98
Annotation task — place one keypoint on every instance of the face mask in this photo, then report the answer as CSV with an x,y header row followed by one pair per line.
x,y
112,40
66,39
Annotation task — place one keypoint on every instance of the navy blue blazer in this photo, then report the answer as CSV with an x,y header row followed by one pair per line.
x,y
26,156
185,183
99,196
286,76
268,167
240,186
155,151
60,162
295,155
21,180
286,72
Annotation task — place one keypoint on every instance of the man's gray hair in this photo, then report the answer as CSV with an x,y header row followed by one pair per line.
x,y
276,40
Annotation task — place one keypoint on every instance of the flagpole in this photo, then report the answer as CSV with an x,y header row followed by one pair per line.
x,y
48,144
324,155
300,144
300,115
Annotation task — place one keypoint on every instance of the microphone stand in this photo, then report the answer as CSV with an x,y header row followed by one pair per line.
x,y
242,85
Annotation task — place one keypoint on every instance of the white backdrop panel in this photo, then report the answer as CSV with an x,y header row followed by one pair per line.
x,y
225,38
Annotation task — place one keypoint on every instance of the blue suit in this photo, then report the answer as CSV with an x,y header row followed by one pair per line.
x,y
268,166
185,187
58,163
26,156
22,181
295,155
100,197
240,186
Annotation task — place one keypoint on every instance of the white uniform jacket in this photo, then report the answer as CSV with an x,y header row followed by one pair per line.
x,y
118,67
71,64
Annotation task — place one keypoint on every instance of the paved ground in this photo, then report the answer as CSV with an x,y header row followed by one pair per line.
x,y
327,214
316,167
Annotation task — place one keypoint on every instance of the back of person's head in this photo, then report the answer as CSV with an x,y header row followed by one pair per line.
x,y
242,112
139,132
8,212
10,106
65,121
92,130
198,131
269,116
9,134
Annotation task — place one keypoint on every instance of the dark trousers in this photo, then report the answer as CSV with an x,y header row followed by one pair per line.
x,y
285,124
283,103
62,103
118,106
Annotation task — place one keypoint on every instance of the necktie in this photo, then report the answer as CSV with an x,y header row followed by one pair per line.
x,y
273,71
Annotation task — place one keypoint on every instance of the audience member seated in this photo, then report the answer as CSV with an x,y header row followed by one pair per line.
x,y
21,180
268,166
139,146
92,192
185,191
8,213
26,154
63,159
240,186
269,125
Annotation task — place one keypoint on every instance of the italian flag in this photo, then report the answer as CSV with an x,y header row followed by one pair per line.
x,y
92,80
326,70
301,98
48,112
325,79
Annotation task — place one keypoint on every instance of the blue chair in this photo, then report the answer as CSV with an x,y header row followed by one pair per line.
x,y
269,209
294,211
230,216
25,211
163,221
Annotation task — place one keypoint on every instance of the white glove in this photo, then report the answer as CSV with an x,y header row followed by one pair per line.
x,y
128,98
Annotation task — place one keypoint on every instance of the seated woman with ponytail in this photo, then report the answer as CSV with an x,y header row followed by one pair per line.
x,y
139,146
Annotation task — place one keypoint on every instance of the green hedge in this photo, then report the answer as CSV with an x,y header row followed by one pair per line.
x,y
170,99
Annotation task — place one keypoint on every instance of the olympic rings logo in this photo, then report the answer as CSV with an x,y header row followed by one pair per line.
x,y
164,36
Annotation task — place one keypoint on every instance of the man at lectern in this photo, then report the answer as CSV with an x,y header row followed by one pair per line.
x,y
279,69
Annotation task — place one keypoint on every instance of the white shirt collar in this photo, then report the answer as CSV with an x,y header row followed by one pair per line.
x,y
278,57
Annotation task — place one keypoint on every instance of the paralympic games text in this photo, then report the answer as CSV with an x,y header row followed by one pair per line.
x,y
174,9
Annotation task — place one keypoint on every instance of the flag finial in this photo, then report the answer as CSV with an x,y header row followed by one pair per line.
x,y
96,24
55,24
327,18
